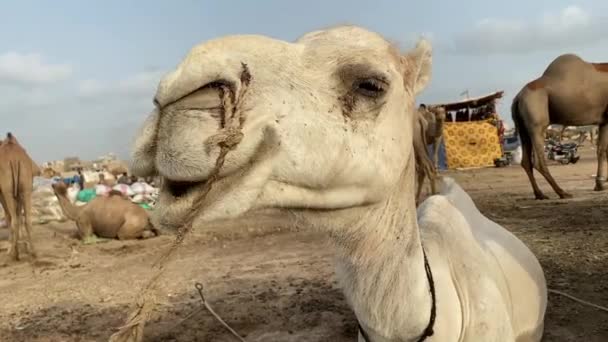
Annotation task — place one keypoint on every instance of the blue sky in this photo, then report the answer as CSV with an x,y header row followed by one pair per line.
x,y
77,77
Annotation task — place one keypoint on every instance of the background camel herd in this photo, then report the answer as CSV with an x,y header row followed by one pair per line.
x,y
550,99
111,216
547,100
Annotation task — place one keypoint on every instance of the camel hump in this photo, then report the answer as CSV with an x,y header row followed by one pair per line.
x,y
567,58
566,63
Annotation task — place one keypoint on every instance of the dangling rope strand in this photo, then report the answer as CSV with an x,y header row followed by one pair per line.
x,y
199,288
578,300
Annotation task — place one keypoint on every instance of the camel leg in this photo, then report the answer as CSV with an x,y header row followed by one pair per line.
x,y
27,219
146,234
593,137
7,217
133,228
129,232
436,152
526,164
420,183
85,229
11,207
540,164
433,182
602,147
434,156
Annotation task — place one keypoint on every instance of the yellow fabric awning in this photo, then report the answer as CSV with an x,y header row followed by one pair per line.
x,y
471,144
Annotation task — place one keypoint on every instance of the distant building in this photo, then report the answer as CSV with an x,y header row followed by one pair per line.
x,y
69,163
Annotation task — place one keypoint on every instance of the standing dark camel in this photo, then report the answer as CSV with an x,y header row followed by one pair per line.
x,y
571,92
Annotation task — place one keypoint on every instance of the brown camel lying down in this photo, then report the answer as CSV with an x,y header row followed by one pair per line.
x,y
106,217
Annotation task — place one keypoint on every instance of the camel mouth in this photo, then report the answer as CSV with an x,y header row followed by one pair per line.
x,y
180,189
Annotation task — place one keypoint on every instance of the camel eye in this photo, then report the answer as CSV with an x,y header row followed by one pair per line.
x,y
370,87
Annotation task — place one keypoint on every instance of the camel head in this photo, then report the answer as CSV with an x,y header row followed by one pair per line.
x,y
10,139
440,113
326,121
60,188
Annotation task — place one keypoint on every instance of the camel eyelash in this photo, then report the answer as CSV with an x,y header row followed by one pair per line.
x,y
370,86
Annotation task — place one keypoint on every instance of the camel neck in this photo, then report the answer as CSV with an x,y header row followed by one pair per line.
x,y
381,267
438,127
602,69
69,210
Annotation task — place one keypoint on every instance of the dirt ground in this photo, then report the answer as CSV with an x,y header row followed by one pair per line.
x,y
274,281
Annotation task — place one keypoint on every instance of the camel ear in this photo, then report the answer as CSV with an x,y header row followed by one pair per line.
x,y
10,138
417,66
144,147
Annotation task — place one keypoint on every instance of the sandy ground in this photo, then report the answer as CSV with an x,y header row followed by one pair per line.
x,y
273,283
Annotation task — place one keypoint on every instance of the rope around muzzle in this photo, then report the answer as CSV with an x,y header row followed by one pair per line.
x,y
227,139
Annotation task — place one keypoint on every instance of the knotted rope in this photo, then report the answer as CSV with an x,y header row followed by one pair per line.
x,y
227,139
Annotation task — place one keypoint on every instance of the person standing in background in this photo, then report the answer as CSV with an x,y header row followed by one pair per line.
x,y
80,179
123,179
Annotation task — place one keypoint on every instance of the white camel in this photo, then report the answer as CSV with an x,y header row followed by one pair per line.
x,y
327,134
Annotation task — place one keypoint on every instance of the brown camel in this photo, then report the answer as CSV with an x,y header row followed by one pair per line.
x,y
435,117
17,171
106,217
424,165
571,92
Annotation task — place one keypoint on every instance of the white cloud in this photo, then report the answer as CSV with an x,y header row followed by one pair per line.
x,y
30,69
569,28
81,117
91,88
140,84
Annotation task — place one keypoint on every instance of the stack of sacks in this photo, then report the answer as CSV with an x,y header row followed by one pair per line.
x,y
92,177
45,205
517,155
73,191
142,198
145,194
85,196
142,188
139,192
124,188
102,190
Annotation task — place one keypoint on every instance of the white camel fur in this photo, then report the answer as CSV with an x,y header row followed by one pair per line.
x,y
327,135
